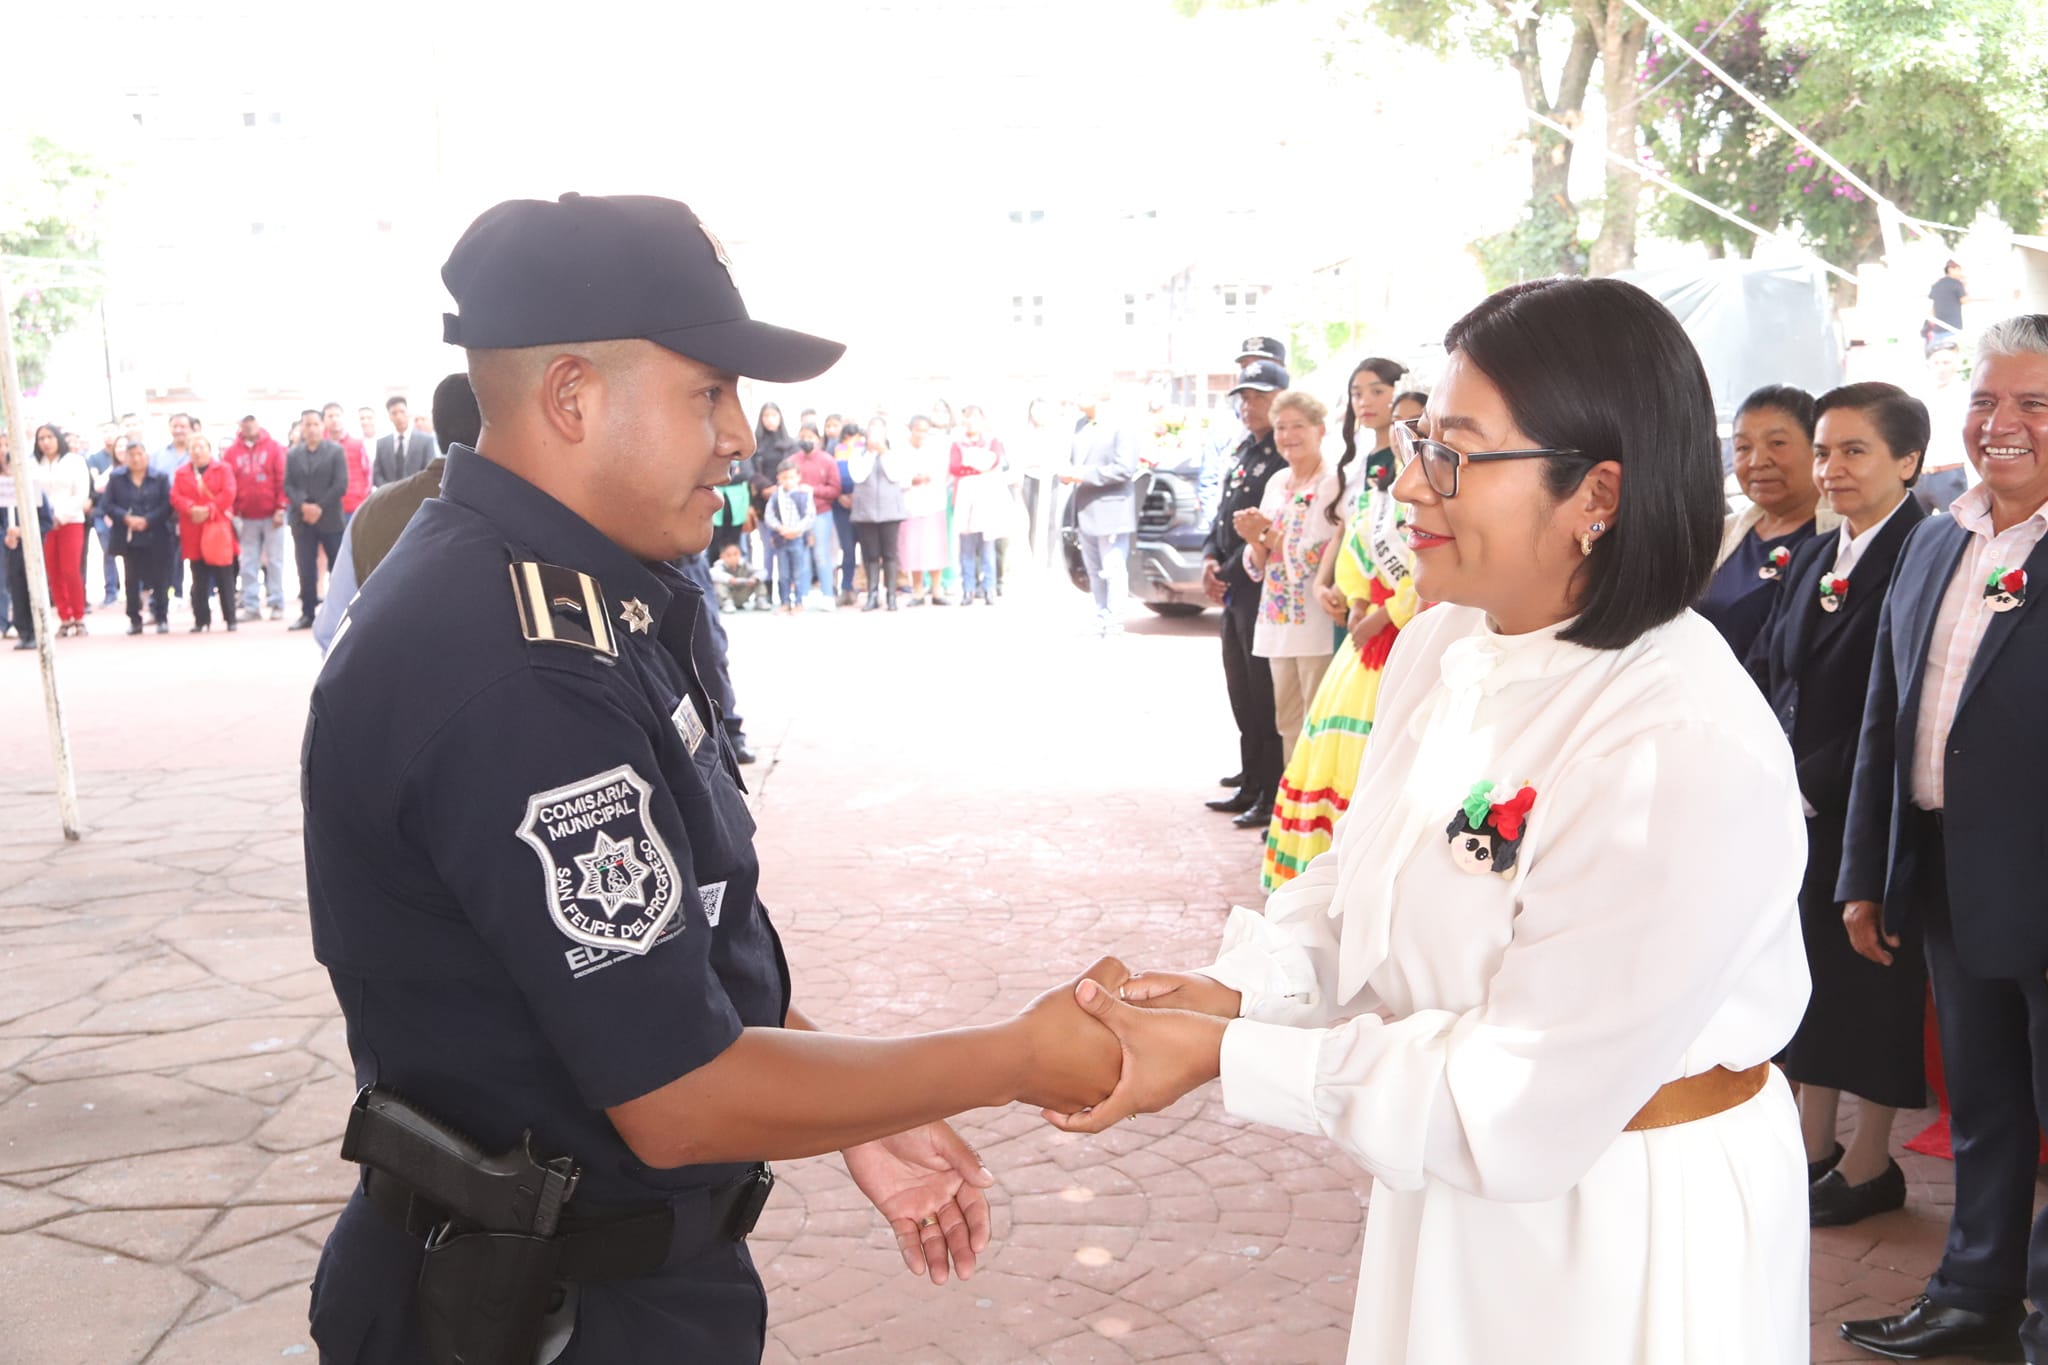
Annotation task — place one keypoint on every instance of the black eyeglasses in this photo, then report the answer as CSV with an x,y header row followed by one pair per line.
x,y
1440,462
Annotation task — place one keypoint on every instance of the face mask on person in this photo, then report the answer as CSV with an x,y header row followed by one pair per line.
x,y
807,444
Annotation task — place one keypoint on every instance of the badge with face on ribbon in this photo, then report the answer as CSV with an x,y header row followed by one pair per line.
x,y
1834,591
1486,834
2006,588
1774,567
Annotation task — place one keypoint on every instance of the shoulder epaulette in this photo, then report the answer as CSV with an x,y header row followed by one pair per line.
x,y
559,606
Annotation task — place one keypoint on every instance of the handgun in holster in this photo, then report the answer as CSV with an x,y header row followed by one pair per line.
x,y
499,1244
491,1268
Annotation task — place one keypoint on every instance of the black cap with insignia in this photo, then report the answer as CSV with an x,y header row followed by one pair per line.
x,y
1261,376
1262,348
614,268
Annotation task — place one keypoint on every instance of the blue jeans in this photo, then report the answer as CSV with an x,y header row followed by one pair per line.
x,y
262,564
824,564
792,569
977,566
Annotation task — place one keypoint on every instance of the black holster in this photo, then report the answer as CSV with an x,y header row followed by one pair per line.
x,y
482,1295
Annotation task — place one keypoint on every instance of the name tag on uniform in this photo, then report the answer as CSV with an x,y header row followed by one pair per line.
x,y
688,725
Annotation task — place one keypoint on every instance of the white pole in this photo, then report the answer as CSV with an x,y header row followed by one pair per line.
x,y
25,502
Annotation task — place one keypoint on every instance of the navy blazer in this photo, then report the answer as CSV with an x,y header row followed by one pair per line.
x,y
1814,665
1996,827
151,501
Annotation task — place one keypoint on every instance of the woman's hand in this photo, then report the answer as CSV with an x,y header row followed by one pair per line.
x,y
1251,524
1070,1060
1182,991
200,512
1366,622
1334,602
1166,1053
1865,922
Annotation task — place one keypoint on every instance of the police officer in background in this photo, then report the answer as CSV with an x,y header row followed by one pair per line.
x,y
1249,681
531,871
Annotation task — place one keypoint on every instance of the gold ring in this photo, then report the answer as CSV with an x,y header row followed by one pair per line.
x,y
927,1222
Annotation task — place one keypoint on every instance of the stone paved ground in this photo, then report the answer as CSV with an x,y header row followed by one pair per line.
x,y
958,807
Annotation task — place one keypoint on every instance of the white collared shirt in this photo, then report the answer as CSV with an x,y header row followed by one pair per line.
x,y
1959,630
1849,547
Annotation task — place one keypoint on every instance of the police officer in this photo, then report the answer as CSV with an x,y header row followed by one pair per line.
x,y
530,865
1248,679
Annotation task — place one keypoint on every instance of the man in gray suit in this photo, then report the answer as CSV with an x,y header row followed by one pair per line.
x,y
405,452
1101,468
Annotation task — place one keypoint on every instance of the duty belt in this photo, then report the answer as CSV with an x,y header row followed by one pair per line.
x,y
619,1247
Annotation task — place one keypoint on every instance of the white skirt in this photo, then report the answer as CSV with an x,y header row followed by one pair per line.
x,y
1682,1246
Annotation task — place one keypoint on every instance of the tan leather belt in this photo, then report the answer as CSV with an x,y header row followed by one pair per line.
x,y
1699,1097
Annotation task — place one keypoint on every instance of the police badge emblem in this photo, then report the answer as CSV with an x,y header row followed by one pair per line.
x,y
611,880
718,250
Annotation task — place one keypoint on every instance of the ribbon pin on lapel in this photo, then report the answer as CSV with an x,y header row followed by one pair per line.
x,y
1775,566
1834,590
2006,588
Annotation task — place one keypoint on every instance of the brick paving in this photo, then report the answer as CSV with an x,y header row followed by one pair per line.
x,y
957,805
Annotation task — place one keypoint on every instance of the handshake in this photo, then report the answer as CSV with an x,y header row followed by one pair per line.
x,y
1114,1044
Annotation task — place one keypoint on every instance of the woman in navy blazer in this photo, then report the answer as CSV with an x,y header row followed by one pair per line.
x,y
1813,659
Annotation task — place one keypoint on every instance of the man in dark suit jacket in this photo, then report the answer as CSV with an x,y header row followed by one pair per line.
x,y
405,452
1944,826
315,478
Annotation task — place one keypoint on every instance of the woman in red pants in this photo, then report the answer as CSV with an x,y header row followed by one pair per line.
x,y
66,481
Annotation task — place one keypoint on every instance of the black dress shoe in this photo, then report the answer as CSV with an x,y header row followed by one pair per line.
x,y
1234,780
740,752
1258,817
1929,1329
1816,1169
1833,1202
303,623
135,627
1243,801
163,627
29,643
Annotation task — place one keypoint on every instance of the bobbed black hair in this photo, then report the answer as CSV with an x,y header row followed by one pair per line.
x,y
1419,397
1795,403
1388,372
1601,367
1898,416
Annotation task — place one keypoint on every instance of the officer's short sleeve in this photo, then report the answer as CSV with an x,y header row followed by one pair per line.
x,y
543,807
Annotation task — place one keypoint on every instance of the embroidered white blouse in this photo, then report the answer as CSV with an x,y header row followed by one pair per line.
x,y
1484,1039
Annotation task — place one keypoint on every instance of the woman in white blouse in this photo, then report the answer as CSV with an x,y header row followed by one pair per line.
x,y
1534,986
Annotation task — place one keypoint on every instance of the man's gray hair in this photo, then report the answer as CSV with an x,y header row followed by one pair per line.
x,y
2026,334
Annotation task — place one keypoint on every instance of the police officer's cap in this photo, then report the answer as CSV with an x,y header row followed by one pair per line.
x,y
1261,376
614,268
1262,348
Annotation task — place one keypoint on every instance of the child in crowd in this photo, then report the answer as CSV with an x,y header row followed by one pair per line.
x,y
737,582
789,517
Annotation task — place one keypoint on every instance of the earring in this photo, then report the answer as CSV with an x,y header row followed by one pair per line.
x,y
1586,537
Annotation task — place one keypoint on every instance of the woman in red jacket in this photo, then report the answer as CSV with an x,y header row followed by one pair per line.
x,y
203,494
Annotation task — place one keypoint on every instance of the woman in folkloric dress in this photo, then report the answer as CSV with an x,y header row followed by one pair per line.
x,y
1374,583
1534,987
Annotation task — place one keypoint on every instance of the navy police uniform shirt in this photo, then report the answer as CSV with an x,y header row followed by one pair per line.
x,y
1256,462
532,880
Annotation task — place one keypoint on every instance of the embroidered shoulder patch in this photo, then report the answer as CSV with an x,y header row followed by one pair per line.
x,y
611,880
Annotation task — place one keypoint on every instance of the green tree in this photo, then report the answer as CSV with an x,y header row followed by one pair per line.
x,y
1940,105
49,211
